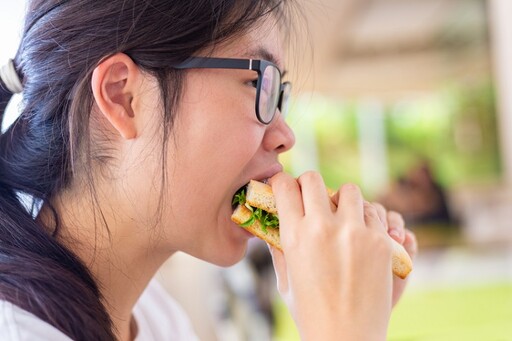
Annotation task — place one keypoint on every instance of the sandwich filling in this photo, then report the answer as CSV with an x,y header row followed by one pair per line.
x,y
265,218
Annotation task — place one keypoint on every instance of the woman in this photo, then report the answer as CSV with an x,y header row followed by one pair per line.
x,y
140,121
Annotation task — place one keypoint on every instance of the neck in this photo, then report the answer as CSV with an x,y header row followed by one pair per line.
x,y
122,257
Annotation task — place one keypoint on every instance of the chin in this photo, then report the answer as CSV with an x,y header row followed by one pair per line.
x,y
228,251
229,246
225,263
229,255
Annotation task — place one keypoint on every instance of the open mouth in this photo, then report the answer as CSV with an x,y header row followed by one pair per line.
x,y
241,192
255,208
238,196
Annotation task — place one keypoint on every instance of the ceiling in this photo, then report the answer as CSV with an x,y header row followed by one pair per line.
x,y
391,48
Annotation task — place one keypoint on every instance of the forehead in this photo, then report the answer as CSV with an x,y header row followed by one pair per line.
x,y
263,41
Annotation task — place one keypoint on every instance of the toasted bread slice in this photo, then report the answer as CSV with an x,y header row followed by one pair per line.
x,y
401,261
260,195
271,236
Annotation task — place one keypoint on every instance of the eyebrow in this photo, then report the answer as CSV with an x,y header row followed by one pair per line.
x,y
263,53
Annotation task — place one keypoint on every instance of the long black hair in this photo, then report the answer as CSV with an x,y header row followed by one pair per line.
x,y
62,42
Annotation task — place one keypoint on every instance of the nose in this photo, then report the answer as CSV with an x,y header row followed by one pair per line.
x,y
279,136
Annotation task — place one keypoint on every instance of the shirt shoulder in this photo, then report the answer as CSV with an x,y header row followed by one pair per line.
x,y
160,317
17,324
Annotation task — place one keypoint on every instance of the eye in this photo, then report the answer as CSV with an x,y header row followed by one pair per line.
x,y
253,83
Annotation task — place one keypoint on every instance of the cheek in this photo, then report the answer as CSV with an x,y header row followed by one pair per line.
x,y
217,137
217,128
220,157
209,162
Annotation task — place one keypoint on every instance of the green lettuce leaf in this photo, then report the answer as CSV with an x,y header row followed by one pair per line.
x,y
266,219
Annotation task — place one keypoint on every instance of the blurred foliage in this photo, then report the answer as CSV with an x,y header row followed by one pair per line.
x,y
457,313
337,147
470,313
453,129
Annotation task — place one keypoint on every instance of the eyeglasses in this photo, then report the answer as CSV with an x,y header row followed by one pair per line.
x,y
271,94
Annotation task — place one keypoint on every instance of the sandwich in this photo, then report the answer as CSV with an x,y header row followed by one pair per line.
x,y
256,211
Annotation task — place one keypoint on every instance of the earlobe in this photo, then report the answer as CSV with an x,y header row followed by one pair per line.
x,y
114,84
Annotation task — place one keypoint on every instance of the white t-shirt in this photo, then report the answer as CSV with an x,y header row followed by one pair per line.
x,y
158,317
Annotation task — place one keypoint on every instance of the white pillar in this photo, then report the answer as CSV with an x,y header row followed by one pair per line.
x,y
372,146
304,156
500,20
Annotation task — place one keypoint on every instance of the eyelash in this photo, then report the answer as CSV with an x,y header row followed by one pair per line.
x,y
253,83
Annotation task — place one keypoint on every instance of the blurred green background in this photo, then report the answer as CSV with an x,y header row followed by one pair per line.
x,y
423,82
453,128
473,313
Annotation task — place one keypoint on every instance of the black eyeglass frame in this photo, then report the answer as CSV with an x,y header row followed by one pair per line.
x,y
258,65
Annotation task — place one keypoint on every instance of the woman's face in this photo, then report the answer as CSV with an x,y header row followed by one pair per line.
x,y
216,146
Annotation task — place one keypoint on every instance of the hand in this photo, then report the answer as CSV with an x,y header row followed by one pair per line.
x,y
334,272
395,226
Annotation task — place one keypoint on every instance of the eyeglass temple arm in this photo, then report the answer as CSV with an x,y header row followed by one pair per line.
x,y
216,63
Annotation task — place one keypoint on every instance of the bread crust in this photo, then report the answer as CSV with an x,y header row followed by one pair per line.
x,y
242,214
260,195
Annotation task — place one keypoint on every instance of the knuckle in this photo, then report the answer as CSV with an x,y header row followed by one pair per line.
x,y
284,183
318,227
322,233
349,187
380,243
396,218
287,185
370,210
379,206
290,241
353,233
310,176
277,179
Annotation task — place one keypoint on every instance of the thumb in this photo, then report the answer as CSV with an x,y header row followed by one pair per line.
x,y
280,269
411,244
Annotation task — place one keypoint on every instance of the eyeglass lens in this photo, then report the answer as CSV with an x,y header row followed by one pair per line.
x,y
269,93
284,105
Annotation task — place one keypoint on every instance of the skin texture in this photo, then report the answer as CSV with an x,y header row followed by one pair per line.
x,y
346,284
216,146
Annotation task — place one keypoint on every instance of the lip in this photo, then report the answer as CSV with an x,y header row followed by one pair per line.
x,y
268,173
262,176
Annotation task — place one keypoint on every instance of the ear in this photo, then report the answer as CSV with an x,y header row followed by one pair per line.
x,y
115,82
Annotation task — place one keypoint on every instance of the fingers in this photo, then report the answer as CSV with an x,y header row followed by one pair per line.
x,y
411,246
410,243
396,226
393,221
381,211
350,204
288,196
372,217
314,193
